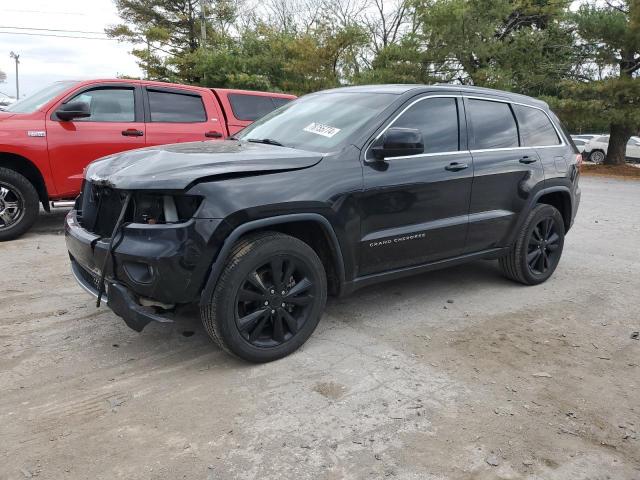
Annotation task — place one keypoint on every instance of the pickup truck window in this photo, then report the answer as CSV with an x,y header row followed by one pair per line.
x,y
108,105
318,122
36,100
169,107
252,107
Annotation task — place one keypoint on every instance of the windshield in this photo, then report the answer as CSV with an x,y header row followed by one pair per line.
x,y
34,101
317,122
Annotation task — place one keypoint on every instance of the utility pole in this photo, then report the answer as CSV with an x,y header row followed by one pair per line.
x,y
16,57
203,23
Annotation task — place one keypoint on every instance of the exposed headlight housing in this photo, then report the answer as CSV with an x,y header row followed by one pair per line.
x,y
158,208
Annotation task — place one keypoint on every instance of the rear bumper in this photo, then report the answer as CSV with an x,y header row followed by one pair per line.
x,y
162,264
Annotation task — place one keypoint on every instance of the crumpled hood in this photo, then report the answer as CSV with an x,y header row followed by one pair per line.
x,y
174,167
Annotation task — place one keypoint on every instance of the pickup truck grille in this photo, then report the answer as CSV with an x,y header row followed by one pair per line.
x,y
99,208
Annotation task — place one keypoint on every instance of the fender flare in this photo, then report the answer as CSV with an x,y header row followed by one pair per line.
x,y
220,260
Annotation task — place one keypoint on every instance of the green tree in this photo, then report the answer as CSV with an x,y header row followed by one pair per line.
x,y
519,45
167,32
610,34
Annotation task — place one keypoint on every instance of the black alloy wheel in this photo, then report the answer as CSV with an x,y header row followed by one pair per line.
x,y
268,299
538,247
543,248
273,302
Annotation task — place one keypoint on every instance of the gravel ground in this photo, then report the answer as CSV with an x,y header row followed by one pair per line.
x,y
457,374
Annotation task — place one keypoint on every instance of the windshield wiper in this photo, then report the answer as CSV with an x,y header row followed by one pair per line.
x,y
268,141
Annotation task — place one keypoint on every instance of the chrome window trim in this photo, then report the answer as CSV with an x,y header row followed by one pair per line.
x,y
471,97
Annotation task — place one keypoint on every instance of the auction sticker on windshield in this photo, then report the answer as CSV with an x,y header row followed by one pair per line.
x,y
321,129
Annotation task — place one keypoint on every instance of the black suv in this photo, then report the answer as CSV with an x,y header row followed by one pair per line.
x,y
332,192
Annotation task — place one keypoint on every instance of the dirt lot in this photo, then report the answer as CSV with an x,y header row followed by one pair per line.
x,y
457,374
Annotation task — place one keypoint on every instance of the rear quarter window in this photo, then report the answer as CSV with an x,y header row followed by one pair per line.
x,y
536,129
248,107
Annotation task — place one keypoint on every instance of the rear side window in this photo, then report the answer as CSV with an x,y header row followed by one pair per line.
x,y
536,129
176,107
252,107
493,125
437,119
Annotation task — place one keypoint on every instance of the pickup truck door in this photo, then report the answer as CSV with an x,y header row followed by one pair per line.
x,y
414,208
176,115
116,124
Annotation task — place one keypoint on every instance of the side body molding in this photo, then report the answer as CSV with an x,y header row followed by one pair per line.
x,y
219,262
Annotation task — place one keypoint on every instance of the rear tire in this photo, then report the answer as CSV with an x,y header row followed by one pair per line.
x,y
538,247
19,204
269,298
597,156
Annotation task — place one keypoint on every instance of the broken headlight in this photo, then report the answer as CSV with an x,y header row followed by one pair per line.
x,y
155,208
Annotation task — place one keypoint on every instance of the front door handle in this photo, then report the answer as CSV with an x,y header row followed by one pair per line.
x,y
213,135
456,167
527,160
132,132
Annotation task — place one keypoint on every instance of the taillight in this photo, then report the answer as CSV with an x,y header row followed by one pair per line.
x,y
579,161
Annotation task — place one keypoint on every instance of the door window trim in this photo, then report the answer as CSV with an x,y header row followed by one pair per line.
x,y
138,107
462,96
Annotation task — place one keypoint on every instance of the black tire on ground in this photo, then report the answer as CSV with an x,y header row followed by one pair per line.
x,y
19,204
538,247
597,156
248,285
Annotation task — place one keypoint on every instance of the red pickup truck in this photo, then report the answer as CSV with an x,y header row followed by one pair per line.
x,y
48,138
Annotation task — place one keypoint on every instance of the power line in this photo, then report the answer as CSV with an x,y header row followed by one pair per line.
x,y
51,30
59,36
46,12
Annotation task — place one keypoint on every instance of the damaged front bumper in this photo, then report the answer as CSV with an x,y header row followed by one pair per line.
x,y
152,269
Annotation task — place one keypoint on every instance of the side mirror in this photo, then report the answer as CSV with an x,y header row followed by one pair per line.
x,y
71,110
398,142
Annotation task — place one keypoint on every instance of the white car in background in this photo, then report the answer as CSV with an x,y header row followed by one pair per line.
x,y
595,150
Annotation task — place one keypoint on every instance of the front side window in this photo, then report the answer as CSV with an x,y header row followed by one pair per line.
x,y
437,120
169,107
536,129
108,105
493,125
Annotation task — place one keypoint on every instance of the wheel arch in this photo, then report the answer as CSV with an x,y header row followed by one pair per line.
x,y
27,169
312,228
560,198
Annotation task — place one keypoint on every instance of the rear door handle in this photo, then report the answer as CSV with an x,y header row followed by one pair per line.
x,y
213,135
456,167
526,159
132,132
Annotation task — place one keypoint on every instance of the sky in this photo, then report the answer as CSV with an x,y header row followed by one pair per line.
x,y
46,59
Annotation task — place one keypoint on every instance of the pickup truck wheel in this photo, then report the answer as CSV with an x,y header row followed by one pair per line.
x,y
19,204
538,247
268,299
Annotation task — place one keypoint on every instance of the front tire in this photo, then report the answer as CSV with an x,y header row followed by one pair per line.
x,y
269,298
538,247
19,204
